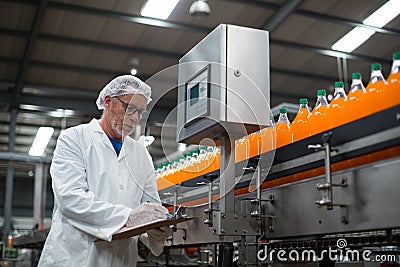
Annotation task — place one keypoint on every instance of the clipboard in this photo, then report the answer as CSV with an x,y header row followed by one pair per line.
x,y
127,232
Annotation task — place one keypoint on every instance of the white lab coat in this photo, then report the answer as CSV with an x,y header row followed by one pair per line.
x,y
94,193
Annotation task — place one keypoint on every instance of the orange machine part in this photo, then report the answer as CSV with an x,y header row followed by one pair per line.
x,y
337,166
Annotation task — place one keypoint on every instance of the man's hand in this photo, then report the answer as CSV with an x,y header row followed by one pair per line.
x,y
145,213
159,234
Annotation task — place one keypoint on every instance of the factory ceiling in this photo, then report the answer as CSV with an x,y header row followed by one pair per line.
x,y
56,55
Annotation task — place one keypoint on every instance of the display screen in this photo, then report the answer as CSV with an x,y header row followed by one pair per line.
x,y
197,96
194,94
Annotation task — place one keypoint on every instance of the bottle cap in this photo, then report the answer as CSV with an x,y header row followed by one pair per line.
x,y
203,147
321,92
356,75
339,84
303,101
376,66
182,157
188,154
396,55
195,151
282,110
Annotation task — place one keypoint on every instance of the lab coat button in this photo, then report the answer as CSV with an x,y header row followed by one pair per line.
x,y
121,187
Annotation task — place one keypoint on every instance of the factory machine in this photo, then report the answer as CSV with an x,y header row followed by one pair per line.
x,y
338,189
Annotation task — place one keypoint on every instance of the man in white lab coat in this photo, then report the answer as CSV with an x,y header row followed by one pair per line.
x,y
104,180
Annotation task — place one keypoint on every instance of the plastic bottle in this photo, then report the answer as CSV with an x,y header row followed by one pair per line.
x,y
174,171
254,140
284,135
353,108
9,241
186,169
393,86
163,171
202,165
299,125
210,158
157,170
195,161
242,149
375,99
181,173
335,111
268,137
217,161
318,118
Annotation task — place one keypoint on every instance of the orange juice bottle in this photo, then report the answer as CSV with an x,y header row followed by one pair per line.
x,y
268,137
375,99
318,119
353,108
394,82
187,170
335,111
217,159
254,140
242,149
174,176
300,123
202,164
181,173
209,159
284,134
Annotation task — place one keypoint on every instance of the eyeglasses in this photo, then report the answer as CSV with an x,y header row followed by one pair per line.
x,y
130,110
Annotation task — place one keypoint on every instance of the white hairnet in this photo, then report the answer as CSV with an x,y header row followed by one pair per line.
x,y
124,85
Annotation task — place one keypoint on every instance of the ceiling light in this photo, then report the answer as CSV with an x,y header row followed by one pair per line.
x,y
384,14
353,39
41,140
199,8
134,71
159,9
61,113
359,35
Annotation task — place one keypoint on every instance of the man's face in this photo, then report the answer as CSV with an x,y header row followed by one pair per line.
x,y
121,121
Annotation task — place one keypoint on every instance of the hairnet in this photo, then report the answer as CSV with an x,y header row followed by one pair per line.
x,y
124,85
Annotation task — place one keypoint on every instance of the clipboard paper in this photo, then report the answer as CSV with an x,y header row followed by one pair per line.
x,y
127,232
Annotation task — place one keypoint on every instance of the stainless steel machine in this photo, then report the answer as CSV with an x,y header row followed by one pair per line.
x,y
340,184
223,94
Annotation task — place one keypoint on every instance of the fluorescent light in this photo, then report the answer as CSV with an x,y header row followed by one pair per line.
x,y
359,35
41,140
159,9
61,113
384,14
353,39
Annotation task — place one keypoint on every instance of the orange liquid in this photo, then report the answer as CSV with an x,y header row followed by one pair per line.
x,y
217,160
267,139
254,141
335,113
375,99
353,107
393,89
284,135
300,125
318,120
208,163
242,149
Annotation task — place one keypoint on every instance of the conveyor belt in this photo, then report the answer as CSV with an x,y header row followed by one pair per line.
x,y
368,139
